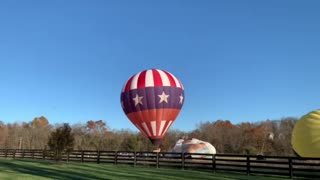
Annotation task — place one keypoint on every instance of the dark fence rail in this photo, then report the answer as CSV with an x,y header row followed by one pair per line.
x,y
248,164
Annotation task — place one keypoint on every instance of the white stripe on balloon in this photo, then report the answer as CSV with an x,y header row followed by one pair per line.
x,y
164,78
149,79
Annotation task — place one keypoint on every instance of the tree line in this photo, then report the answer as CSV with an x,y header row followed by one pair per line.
x,y
270,137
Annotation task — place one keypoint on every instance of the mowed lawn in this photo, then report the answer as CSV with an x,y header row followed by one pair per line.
x,y
38,169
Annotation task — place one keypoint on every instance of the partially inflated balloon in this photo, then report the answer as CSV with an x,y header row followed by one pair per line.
x,y
152,100
193,146
306,135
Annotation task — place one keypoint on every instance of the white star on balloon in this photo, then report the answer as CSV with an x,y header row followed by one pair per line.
x,y
163,97
181,99
137,100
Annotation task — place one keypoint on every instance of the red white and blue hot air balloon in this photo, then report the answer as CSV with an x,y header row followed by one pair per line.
x,y
152,100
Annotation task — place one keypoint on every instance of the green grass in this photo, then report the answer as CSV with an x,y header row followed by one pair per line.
x,y
34,169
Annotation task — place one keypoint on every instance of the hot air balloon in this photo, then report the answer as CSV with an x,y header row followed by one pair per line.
x,y
194,146
306,135
152,100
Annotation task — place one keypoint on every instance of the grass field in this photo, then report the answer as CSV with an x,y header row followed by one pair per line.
x,y
33,169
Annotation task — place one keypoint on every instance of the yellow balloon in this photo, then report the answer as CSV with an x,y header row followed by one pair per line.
x,y
306,135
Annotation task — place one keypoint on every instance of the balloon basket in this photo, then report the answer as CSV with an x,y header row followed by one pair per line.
x,y
156,150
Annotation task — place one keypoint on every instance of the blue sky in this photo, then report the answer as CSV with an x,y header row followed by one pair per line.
x,y
238,60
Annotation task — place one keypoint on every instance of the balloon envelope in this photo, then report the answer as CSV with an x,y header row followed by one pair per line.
x,y
152,99
306,135
193,146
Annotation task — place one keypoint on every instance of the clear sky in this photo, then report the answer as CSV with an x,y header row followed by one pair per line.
x,y
238,60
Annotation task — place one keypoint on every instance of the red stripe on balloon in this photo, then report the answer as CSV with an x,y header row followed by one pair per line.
x,y
148,116
127,88
165,128
142,79
156,78
172,83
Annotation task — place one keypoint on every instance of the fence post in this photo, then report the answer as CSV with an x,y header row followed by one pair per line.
x,y
23,153
115,157
44,154
82,154
157,160
135,159
14,154
98,157
68,156
248,165
182,160
6,153
214,163
290,168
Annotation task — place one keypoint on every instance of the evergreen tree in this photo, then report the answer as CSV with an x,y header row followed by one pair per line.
x,y
61,140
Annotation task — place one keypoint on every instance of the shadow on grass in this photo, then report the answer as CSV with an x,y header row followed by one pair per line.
x,y
43,170
146,173
52,170
49,169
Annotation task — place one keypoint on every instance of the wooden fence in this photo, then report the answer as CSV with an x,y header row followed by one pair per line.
x,y
247,164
